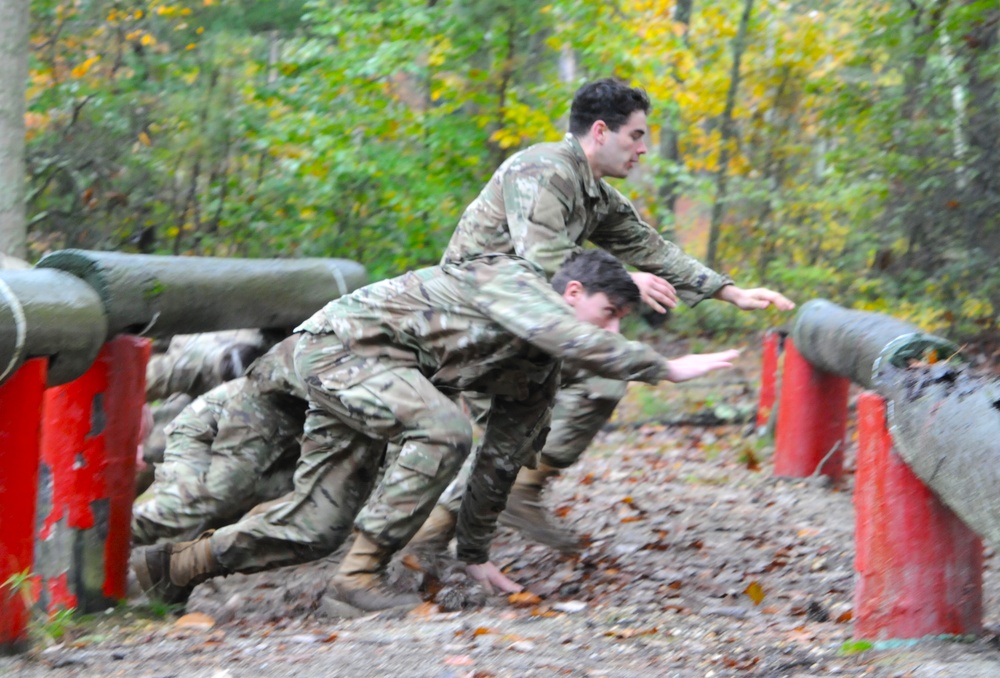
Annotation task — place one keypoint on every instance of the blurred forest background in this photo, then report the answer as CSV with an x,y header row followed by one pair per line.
x,y
847,149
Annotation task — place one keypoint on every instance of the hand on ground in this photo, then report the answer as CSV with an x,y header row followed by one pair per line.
x,y
490,576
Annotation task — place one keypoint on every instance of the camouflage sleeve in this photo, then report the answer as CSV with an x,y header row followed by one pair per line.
x,y
629,238
523,302
515,433
538,207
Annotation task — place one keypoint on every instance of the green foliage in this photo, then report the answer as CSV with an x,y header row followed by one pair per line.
x,y
862,168
50,627
850,647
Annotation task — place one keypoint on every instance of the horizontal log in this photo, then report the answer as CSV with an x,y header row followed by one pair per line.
x,y
73,301
849,343
161,296
49,313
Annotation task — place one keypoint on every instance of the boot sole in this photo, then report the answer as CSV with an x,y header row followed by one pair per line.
x,y
140,567
162,589
350,597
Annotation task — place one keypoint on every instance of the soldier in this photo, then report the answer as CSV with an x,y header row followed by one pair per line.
x,y
384,364
191,365
195,363
542,204
229,450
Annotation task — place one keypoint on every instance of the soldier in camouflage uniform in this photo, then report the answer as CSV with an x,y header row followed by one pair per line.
x,y
190,366
195,363
384,364
229,450
542,204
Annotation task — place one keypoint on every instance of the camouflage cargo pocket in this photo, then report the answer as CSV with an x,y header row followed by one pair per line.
x,y
419,461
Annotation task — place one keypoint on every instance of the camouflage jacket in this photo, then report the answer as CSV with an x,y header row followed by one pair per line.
x,y
544,203
492,325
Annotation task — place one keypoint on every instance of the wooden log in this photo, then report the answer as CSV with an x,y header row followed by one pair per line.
x,y
161,296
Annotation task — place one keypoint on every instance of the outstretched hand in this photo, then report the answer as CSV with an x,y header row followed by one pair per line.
x,y
655,291
699,364
754,298
492,579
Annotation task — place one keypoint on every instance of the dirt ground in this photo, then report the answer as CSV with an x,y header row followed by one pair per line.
x,y
700,563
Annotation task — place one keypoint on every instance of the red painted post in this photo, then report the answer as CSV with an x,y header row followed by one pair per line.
x,y
920,568
812,419
768,377
90,431
20,430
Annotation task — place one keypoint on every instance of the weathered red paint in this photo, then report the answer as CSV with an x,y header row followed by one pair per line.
x,y
90,432
812,419
20,428
920,569
126,396
60,595
768,377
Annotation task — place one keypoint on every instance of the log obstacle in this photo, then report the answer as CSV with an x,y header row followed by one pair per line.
x,y
927,472
773,345
90,432
73,301
919,567
66,324
812,420
51,314
160,296
20,430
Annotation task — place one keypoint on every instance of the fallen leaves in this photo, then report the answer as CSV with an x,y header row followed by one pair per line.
x,y
195,621
625,634
755,592
523,599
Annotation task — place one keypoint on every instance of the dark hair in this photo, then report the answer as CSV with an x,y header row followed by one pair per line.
x,y
598,271
610,100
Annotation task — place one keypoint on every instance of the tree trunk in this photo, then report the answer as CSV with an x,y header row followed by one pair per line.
x,y
728,132
669,131
13,82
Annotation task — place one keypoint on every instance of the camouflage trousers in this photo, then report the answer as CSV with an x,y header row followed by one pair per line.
x,y
583,405
227,451
357,406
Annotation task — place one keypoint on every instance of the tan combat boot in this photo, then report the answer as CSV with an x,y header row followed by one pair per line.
x,y
169,572
526,513
359,580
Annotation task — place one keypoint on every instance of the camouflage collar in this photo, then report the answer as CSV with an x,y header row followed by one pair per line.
x,y
589,182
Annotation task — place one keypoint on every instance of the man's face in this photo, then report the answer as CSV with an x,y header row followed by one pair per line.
x,y
619,151
595,309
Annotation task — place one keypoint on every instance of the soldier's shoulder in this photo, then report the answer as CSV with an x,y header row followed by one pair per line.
x,y
549,158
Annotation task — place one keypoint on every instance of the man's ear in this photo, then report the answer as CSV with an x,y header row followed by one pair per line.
x,y
574,292
599,131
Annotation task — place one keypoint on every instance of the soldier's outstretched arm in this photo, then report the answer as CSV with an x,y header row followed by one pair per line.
x,y
623,233
754,298
516,296
697,365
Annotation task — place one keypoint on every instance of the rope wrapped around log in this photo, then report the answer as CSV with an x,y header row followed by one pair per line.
x,y
49,313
